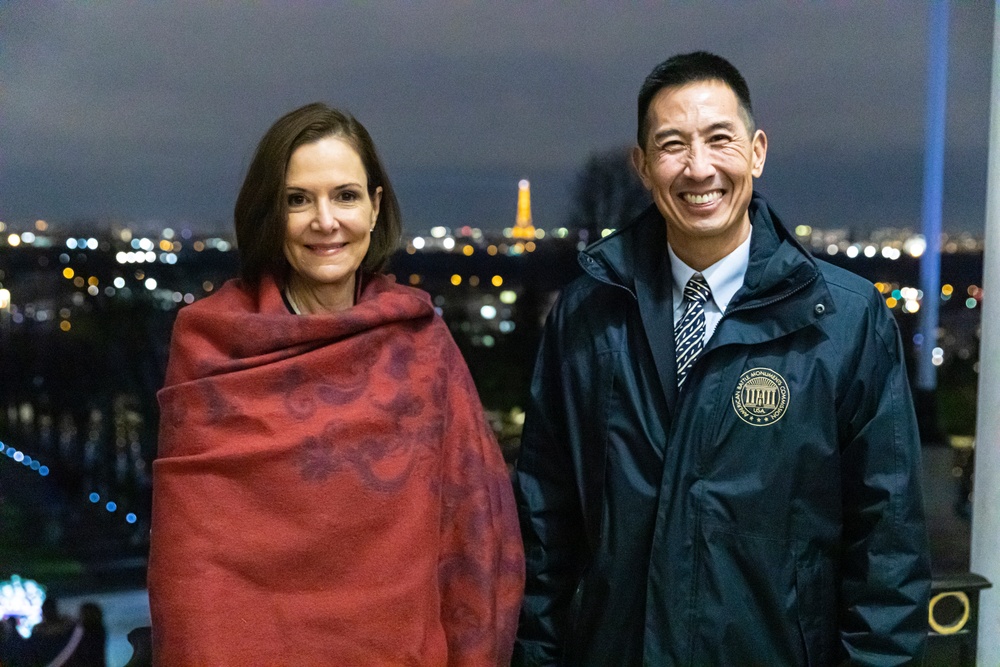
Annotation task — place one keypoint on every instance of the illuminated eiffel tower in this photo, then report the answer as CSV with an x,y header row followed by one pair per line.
x,y
523,229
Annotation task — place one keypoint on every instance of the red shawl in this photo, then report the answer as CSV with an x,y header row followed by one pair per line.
x,y
327,491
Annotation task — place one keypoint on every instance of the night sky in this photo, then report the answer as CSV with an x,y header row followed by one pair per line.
x,y
149,112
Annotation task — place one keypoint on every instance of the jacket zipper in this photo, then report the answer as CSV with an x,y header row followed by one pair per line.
x,y
775,299
590,260
753,306
771,301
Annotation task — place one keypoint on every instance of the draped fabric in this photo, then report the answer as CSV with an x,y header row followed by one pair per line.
x,y
327,491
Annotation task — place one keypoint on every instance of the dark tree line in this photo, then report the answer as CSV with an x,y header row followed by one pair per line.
x,y
607,193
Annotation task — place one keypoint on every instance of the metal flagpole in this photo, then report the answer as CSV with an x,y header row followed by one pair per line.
x,y
986,494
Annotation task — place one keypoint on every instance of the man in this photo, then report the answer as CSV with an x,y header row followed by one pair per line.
x,y
720,462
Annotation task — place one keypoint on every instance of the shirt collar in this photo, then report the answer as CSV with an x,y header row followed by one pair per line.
x,y
724,278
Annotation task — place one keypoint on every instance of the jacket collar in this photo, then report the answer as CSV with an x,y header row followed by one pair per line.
x,y
777,261
771,299
636,255
635,250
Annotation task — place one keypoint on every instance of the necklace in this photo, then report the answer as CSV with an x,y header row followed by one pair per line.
x,y
292,302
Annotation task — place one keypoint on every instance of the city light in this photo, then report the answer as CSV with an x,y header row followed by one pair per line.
x,y
484,300
915,246
21,599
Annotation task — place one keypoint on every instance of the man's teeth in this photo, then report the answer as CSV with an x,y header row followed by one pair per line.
x,y
703,198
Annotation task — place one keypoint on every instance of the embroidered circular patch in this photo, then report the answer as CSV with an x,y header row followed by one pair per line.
x,y
761,397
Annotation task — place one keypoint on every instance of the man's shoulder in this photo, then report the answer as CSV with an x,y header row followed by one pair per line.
x,y
847,285
589,315
859,305
587,294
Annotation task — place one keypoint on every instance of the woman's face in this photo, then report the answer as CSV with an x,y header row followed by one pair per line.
x,y
330,217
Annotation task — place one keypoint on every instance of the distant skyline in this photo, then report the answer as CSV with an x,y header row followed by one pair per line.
x,y
151,111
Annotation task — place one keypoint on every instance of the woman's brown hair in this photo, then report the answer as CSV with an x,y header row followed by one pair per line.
x,y
261,211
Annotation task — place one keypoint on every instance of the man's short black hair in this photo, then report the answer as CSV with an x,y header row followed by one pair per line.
x,y
687,68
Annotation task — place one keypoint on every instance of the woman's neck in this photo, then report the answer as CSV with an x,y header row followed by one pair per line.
x,y
313,299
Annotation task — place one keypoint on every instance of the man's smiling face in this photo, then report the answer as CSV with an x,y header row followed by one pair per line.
x,y
699,162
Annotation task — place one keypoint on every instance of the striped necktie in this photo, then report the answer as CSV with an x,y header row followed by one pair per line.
x,y
689,334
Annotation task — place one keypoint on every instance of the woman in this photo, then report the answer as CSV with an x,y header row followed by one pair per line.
x,y
327,491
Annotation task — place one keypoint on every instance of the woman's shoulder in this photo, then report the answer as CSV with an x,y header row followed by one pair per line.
x,y
383,284
234,295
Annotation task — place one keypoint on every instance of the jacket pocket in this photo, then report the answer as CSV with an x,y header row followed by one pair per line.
x,y
817,610
746,600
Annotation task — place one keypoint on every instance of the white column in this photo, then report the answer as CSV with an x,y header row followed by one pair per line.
x,y
986,496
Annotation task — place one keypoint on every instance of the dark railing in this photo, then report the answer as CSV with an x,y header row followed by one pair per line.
x,y
953,619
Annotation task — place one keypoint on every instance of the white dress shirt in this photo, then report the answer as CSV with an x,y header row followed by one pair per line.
x,y
724,278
